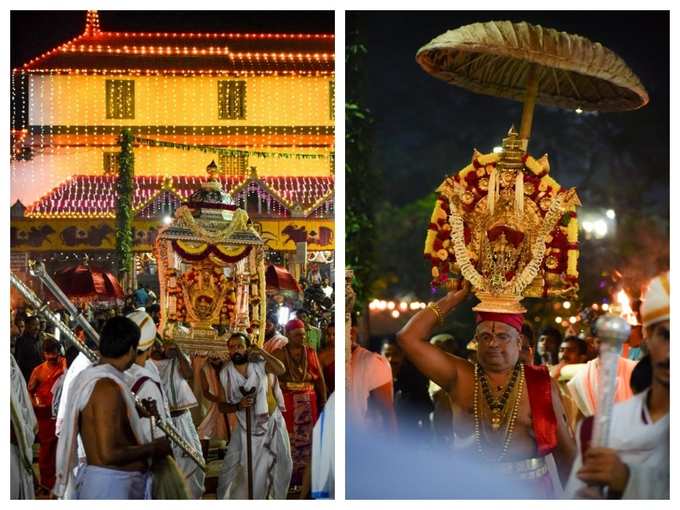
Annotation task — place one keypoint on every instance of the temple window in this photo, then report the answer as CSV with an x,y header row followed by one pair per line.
x,y
231,98
120,99
111,162
233,164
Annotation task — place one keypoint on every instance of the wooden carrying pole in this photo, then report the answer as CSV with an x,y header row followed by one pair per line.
x,y
529,104
249,440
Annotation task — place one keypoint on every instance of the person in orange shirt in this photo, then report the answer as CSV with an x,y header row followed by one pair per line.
x,y
40,386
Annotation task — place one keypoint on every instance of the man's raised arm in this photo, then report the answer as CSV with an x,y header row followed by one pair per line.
x,y
435,364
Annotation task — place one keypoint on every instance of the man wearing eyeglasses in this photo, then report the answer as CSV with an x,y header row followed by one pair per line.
x,y
506,413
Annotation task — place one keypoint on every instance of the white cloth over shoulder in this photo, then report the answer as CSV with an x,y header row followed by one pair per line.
x,y
24,425
179,397
271,457
323,453
643,446
368,371
79,364
176,387
151,388
79,395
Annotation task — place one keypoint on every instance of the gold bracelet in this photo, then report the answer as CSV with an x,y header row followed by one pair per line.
x,y
437,312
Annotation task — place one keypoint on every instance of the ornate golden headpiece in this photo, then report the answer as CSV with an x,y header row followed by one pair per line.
x,y
507,227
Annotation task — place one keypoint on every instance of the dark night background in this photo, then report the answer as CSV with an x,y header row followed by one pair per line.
x,y
34,32
422,129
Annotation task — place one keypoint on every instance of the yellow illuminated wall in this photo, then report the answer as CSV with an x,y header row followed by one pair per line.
x,y
181,101
299,106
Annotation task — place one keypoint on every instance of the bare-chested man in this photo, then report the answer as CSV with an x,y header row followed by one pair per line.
x,y
102,411
508,413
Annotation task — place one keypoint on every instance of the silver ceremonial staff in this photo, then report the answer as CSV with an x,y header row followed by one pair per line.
x,y
42,308
612,331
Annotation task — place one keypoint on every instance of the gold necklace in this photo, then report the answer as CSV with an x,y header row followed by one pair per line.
x,y
498,406
510,423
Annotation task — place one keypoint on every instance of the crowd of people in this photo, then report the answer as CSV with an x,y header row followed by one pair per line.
x,y
250,413
523,402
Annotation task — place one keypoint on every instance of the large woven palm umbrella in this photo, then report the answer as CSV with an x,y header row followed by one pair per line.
x,y
532,64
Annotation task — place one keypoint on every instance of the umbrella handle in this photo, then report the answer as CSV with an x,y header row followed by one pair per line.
x,y
529,105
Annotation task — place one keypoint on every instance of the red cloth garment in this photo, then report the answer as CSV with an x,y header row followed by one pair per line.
x,y
47,455
42,380
543,418
514,320
302,411
301,415
40,386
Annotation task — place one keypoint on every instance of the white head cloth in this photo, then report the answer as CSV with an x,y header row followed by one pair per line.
x,y
147,327
655,305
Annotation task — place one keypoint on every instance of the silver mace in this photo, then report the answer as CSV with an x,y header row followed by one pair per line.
x,y
42,309
612,331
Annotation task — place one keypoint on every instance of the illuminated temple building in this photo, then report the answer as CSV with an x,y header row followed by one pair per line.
x,y
261,106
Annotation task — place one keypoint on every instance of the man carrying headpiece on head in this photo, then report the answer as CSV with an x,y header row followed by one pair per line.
x,y
636,463
510,231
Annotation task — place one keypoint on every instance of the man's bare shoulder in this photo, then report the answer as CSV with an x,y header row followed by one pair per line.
x,y
461,364
107,390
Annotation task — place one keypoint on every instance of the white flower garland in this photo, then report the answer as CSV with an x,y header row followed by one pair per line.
x,y
520,281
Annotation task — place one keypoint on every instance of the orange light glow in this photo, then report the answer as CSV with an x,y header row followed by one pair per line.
x,y
626,311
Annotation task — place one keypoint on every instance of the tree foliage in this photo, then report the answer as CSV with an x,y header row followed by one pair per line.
x,y
362,179
124,192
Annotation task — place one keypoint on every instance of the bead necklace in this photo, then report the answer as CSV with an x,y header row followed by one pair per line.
x,y
498,406
510,422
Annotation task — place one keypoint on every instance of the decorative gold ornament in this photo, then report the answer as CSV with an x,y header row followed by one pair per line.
x,y
467,198
544,203
211,272
551,262
507,231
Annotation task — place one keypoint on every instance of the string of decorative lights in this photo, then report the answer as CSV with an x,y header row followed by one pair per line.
x,y
70,104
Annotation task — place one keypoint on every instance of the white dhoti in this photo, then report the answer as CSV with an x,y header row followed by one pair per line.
x,y
323,453
194,477
179,396
272,462
641,444
24,425
96,482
